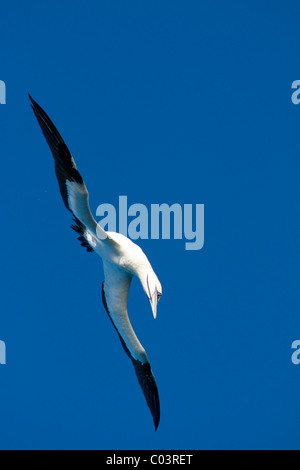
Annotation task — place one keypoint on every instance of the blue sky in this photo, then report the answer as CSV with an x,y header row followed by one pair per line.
x,y
172,101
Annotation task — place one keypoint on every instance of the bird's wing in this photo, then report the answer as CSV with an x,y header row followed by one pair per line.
x,y
71,184
115,291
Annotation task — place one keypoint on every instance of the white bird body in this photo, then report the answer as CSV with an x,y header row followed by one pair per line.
x,y
122,259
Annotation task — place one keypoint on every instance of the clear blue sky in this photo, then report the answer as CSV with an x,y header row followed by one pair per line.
x,y
171,101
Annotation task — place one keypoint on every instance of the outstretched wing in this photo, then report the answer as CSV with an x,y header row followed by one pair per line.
x,y
115,291
71,184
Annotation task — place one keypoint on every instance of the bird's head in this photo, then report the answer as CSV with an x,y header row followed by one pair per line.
x,y
153,290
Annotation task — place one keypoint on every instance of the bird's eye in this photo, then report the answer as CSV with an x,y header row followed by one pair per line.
x,y
158,296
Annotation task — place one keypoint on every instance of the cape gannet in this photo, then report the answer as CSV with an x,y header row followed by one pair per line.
x,y
122,259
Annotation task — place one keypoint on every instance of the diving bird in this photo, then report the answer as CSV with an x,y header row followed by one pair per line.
x,y
122,259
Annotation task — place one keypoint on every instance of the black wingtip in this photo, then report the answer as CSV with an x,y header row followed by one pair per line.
x,y
31,99
35,106
156,423
148,385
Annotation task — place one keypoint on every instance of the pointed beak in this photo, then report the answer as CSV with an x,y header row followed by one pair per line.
x,y
153,302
